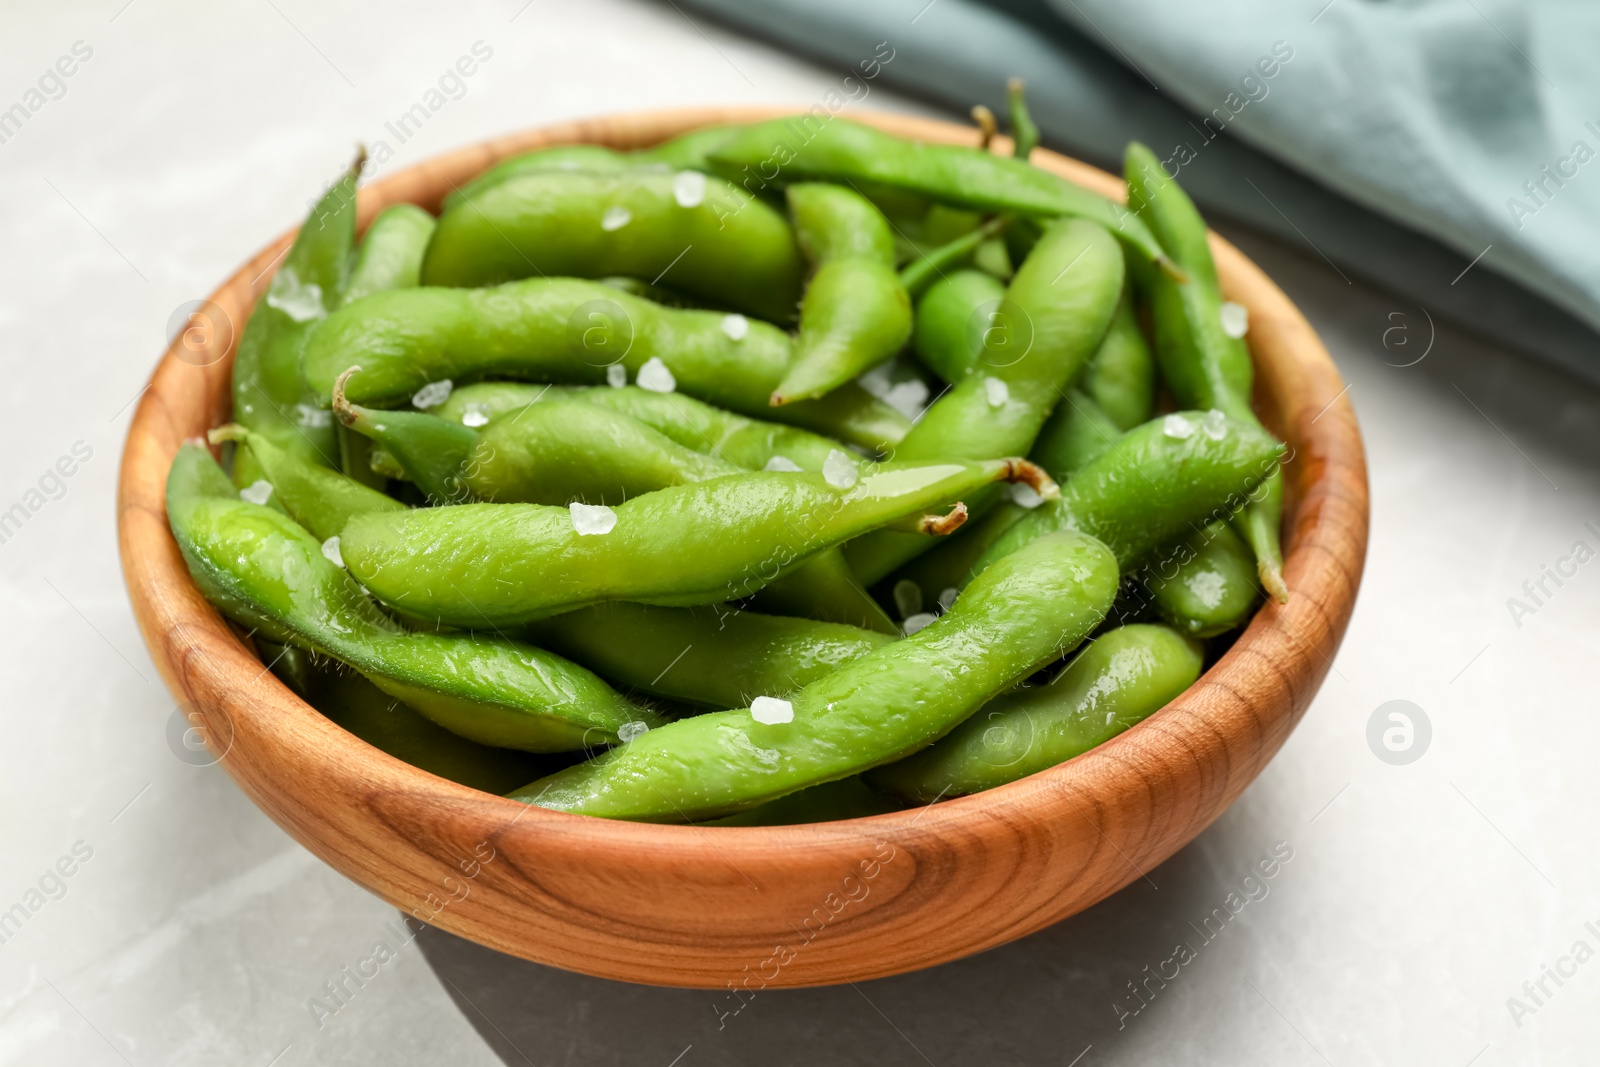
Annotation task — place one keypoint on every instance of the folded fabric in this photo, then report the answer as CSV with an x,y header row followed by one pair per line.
x,y
1408,145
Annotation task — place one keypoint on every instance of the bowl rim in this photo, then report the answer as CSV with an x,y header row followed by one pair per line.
x,y
1225,727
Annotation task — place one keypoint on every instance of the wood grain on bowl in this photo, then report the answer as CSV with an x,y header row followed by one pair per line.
x,y
778,906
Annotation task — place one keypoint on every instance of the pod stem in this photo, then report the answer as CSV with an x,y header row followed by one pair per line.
x,y
342,408
944,525
231,432
1033,476
987,125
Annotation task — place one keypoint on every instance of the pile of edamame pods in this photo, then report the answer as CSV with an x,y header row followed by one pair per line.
x,y
782,472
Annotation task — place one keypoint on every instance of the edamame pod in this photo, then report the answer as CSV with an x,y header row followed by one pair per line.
x,y
492,564
263,570
1207,585
928,266
317,497
1078,432
433,452
951,320
1056,310
804,148
848,798
567,330
269,391
717,656
1124,676
1121,375
1026,611
855,313
390,256
696,234
1205,366
1160,482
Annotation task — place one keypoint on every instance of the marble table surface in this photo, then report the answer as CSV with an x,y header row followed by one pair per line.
x,y
1442,911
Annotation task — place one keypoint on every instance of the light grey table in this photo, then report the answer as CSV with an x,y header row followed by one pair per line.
x,y
1419,897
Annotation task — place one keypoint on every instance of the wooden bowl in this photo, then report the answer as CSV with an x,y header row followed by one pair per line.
x,y
778,906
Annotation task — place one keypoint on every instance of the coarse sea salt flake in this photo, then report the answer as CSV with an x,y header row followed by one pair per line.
x,y
736,326
996,391
1177,426
616,376
433,394
330,551
948,597
1235,319
908,398
257,492
917,622
771,711
475,416
1215,425
689,188
781,463
1025,496
615,218
839,470
655,376
628,731
592,518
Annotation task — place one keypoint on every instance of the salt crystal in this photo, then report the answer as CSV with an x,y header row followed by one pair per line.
x,y
258,492
689,188
996,391
876,381
917,622
301,301
330,551
1025,496
1215,425
432,395
615,218
476,415
655,376
592,518
630,730
313,418
771,710
908,398
616,376
781,463
1235,319
735,326
839,470
1177,426
948,598
907,597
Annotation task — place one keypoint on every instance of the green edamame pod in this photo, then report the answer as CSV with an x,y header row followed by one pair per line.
x,y
927,266
562,450
432,452
490,564
1078,432
1123,676
1121,375
269,391
697,234
1158,483
1023,613
1207,586
390,256
350,701
747,443
802,149
264,571
566,330
1205,367
950,322
318,498
719,657
1055,312
855,313
685,152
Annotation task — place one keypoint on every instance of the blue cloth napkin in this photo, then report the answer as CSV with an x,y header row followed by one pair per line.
x,y
1442,150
